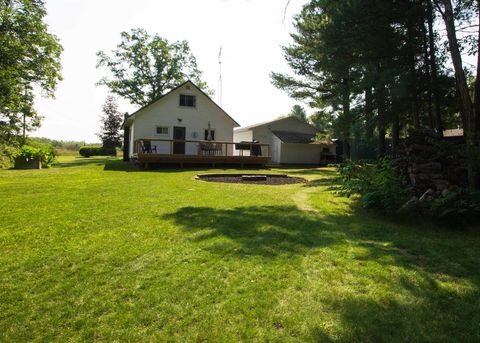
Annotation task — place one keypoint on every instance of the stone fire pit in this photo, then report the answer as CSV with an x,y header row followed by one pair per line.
x,y
256,179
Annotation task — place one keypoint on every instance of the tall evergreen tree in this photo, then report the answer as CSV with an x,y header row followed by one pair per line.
x,y
373,64
299,113
110,132
467,105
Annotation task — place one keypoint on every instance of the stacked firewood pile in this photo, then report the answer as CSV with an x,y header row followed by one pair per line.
x,y
429,166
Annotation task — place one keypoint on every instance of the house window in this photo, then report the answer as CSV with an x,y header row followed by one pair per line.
x,y
188,100
212,132
162,130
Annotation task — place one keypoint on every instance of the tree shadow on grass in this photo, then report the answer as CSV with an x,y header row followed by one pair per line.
x,y
120,165
330,183
419,260
428,313
82,161
267,231
314,171
279,230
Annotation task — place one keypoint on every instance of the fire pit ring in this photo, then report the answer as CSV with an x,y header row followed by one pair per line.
x,y
255,179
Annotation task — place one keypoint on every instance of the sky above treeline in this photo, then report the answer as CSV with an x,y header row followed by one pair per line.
x,y
250,33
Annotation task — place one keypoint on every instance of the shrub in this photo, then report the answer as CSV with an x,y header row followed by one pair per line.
x,y
375,182
6,152
46,154
87,151
454,203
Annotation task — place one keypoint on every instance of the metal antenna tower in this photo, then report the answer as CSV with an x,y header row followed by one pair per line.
x,y
220,76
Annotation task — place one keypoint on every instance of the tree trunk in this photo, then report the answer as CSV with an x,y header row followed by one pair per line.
x,y
413,72
368,113
426,59
462,113
465,101
380,99
348,120
476,99
434,71
395,134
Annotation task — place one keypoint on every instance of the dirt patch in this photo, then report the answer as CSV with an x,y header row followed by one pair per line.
x,y
251,179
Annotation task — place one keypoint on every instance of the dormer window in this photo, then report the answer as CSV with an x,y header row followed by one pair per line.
x,y
188,100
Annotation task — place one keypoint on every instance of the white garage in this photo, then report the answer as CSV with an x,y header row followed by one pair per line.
x,y
291,140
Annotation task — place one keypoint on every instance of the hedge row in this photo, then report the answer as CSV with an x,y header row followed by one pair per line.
x,y
87,151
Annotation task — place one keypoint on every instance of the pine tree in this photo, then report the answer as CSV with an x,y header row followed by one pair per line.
x,y
110,133
299,113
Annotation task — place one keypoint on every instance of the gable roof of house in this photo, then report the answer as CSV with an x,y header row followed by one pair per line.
x,y
250,127
294,137
132,116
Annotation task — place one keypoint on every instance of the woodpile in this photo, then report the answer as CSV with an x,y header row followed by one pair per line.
x,y
430,167
425,163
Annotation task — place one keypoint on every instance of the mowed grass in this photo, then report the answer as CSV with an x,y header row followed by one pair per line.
x,y
94,249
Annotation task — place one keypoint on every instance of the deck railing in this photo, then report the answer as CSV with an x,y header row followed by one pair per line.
x,y
200,148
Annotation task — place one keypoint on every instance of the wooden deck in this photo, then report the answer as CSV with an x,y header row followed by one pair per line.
x,y
147,158
172,151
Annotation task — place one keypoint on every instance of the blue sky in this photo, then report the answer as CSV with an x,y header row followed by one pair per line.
x,y
249,31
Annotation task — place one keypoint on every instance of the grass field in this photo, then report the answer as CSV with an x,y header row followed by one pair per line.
x,y
94,249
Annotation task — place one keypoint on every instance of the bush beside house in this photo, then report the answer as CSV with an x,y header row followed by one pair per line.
x,y
87,151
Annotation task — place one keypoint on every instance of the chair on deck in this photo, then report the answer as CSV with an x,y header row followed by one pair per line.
x,y
218,148
206,149
201,149
256,149
147,147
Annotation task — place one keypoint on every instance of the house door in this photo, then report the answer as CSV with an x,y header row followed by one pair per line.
x,y
179,133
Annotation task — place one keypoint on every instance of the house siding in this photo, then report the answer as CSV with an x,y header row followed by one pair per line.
x,y
168,113
300,153
286,153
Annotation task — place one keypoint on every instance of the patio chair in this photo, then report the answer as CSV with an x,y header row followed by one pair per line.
x,y
218,148
202,148
147,147
206,148
256,149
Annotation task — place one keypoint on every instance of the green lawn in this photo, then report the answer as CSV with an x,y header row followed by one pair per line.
x,y
94,249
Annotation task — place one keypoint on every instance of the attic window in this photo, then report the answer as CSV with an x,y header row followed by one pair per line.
x,y
188,100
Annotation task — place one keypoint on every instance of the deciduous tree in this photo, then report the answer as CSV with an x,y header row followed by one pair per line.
x,y
467,104
144,67
29,58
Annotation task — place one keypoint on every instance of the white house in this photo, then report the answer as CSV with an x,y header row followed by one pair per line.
x,y
291,141
184,114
